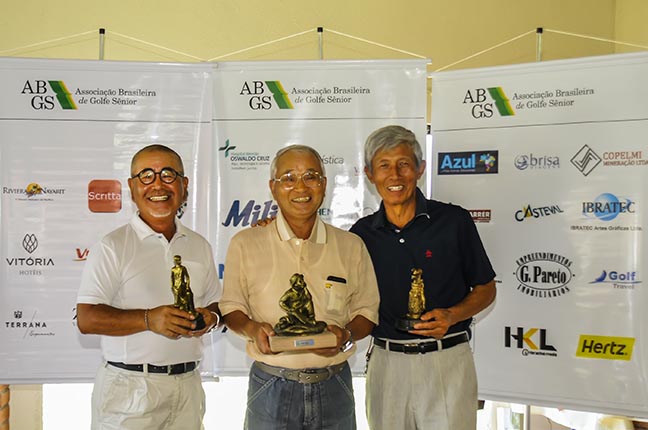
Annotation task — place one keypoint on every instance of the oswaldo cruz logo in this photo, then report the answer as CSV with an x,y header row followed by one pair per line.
x,y
259,99
42,99
486,101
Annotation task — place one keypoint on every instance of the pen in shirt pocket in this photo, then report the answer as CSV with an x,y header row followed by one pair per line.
x,y
336,279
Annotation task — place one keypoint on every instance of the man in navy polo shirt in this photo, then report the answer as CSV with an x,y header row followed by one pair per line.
x,y
424,377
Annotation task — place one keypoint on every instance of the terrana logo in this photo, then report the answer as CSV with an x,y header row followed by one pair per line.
x,y
485,101
43,100
605,347
259,99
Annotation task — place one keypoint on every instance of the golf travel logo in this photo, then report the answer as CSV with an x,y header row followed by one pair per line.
x,y
532,341
262,94
622,280
484,102
42,97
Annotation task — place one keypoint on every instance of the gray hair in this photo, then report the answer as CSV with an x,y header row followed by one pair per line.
x,y
296,148
389,137
156,148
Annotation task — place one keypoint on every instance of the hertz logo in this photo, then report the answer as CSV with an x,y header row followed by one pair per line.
x,y
605,347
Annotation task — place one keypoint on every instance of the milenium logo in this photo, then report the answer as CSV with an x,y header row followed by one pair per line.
x,y
482,106
42,100
260,100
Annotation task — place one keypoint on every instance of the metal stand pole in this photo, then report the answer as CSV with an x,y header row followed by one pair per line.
x,y
539,32
320,33
527,417
102,34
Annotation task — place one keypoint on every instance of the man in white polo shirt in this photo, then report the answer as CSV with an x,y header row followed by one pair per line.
x,y
151,348
308,389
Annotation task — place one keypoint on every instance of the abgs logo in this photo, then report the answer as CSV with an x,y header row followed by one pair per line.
x,y
260,100
482,106
42,100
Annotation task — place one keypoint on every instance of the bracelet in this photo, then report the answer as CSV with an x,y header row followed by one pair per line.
x,y
215,326
146,311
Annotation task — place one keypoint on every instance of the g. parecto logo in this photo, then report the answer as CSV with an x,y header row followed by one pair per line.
x,y
586,160
543,274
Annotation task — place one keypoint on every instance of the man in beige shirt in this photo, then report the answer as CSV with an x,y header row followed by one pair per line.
x,y
305,389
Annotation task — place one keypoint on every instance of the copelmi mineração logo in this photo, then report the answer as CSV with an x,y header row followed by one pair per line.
x,y
259,99
42,99
485,101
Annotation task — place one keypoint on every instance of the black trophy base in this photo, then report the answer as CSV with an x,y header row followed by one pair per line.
x,y
406,324
200,322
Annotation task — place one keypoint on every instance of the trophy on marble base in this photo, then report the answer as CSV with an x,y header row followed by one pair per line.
x,y
415,305
182,294
298,329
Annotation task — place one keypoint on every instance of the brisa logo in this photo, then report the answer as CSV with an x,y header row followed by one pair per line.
x,y
543,274
605,347
43,100
250,214
259,99
528,338
482,105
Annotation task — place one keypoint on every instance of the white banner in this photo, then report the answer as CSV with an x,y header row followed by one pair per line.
x,y
68,130
551,159
332,106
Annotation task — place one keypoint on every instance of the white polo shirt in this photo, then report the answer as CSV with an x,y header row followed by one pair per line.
x,y
130,268
336,267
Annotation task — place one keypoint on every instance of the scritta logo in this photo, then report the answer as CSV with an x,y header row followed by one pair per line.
x,y
34,192
605,347
528,212
467,163
43,99
623,280
532,341
485,101
536,162
261,95
250,213
607,207
243,160
543,274
586,160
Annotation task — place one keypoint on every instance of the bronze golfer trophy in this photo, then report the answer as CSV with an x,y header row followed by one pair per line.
x,y
298,329
415,305
182,294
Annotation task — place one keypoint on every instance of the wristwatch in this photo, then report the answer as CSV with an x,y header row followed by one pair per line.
x,y
348,344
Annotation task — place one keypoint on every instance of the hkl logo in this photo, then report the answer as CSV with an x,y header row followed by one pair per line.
x,y
259,100
42,100
521,338
483,108
251,210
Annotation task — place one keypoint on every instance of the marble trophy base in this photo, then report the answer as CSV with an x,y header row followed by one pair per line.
x,y
406,324
302,342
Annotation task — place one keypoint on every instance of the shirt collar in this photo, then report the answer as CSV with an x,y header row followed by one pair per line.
x,y
318,235
380,220
143,230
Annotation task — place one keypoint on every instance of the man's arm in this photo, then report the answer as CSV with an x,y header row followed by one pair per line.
x,y
103,319
438,321
358,328
257,332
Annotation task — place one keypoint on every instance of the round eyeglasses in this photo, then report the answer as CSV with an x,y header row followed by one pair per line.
x,y
168,175
289,181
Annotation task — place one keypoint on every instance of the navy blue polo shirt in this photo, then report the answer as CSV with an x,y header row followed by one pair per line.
x,y
443,241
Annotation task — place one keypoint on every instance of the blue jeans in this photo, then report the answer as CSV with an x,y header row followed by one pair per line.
x,y
276,403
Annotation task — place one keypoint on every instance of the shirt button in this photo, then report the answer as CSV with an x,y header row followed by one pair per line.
x,y
397,231
401,240
298,242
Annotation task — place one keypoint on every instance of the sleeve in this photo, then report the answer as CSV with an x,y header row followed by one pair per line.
x,y
100,279
365,299
235,286
213,289
476,265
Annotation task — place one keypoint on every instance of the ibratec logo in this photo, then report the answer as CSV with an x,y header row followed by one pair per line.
x,y
605,347
104,195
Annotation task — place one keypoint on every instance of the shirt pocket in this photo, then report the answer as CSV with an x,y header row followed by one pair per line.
x,y
335,293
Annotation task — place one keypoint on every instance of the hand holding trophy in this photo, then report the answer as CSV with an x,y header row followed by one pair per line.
x,y
415,305
299,329
182,294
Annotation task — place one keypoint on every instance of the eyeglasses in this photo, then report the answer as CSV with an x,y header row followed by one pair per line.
x,y
288,181
168,175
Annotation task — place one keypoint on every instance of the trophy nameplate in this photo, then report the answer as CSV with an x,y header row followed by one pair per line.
x,y
182,294
298,330
415,305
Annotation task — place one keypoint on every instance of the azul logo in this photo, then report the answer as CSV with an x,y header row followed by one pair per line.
x,y
483,105
607,207
259,99
538,212
528,342
622,280
466,163
43,100
605,347
543,274
250,213
586,160
531,162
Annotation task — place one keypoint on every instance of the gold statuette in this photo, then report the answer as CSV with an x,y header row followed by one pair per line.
x,y
415,304
182,294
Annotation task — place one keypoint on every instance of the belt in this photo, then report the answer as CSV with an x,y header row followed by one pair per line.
x,y
422,347
171,369
303,376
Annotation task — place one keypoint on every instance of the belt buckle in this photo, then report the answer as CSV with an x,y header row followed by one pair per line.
x,y
312,376
411,348
169,369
